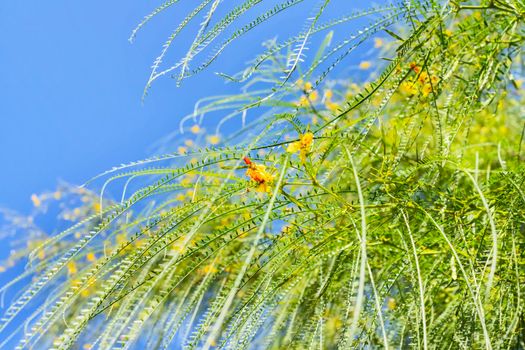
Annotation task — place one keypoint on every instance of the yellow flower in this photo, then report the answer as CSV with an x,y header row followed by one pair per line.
x,y
182,150
303,102
57,195
332,106
180,197
378,42
188,142
195,129
91,257
302,146
213,139
423,78
408,88
121,238
391,303
307,86
313,96
208,269
97,207
427,89
328,94
71,268
365,65
178,247
448,32
36,201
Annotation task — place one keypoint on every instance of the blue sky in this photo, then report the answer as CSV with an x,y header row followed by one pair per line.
x,y
71,91
71,86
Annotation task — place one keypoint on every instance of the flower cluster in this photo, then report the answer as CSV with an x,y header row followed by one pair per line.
x,y
421,83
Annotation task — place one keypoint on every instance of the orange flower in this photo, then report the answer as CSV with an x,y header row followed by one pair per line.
x,y
423,78
258,173
415,67
302,146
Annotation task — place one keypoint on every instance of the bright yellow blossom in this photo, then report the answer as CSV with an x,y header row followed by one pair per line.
x,y
391,303
408,88
91,257
332,106
302,146
426,89
303,102
208,269
308,86
195,129
71,268
97,207
313,96
423,78
378,42
364,65
213,139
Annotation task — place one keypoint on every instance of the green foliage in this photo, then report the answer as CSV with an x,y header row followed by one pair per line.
x,y
351,214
